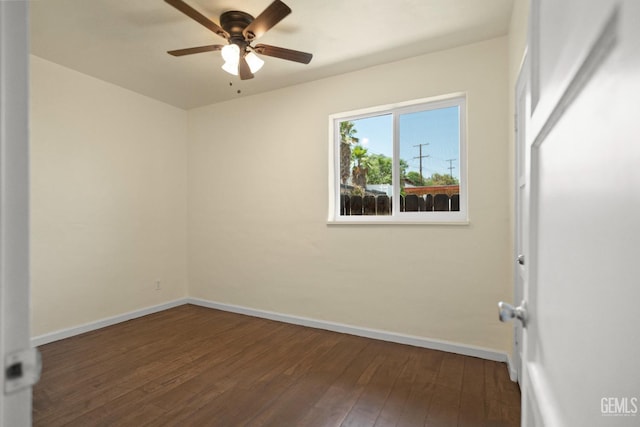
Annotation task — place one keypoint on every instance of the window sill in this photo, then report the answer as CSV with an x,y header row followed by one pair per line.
x,y
396,222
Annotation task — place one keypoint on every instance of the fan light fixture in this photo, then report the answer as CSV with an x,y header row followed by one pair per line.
x,y
231,56
231,53
255,63
240,30
230,68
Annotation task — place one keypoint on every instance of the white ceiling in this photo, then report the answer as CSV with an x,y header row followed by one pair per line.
x,y
125,41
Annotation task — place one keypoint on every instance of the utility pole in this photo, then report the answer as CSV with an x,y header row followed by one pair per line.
x,y
451,167
420,156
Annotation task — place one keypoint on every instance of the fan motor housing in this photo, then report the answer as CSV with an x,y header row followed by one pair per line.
x,y
235,21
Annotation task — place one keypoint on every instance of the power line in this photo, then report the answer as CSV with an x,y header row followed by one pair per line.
x,y
420,156
451,167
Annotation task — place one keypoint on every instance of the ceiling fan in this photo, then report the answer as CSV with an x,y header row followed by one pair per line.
x,y
240,29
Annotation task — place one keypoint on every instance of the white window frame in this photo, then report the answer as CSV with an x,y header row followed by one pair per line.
x,y
397,217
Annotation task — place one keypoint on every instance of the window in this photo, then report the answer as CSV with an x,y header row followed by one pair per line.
x,y
403,163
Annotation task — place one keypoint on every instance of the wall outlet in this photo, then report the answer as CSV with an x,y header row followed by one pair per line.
x,y
158,287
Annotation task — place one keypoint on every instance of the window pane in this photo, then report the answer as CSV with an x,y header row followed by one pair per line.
x,y
430,160
400,163
366,152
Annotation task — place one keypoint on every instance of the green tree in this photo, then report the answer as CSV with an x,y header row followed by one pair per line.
x,y
434,179
440,179
380,168
404,165
360,168
415,178
347,138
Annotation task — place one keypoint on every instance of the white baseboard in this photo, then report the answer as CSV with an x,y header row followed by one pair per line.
x,y
92,326
434,344
513,373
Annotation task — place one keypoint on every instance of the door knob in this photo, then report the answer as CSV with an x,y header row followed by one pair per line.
x,y
520,259
509,312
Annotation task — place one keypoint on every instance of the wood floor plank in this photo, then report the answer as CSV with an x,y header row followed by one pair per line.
x,y
472,399
451,371
501,407
308,388
422,390
184,401
194,366
390,362
336,402
267,385
443,410
110,381
399,395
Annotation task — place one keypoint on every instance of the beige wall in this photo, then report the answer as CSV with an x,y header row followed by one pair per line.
x,y
258,203
109,211
517,38
108,199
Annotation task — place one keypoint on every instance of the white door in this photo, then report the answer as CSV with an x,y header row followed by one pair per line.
x,y
581,358
521,198
15,396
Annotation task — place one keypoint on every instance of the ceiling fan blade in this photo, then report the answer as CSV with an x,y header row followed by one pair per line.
x,y
243,69
282,53
269,17
197,16
192,50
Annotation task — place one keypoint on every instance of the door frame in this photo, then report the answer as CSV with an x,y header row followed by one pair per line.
x,y
15,407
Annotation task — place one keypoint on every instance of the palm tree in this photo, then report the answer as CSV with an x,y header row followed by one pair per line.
x,y
361,166
347,137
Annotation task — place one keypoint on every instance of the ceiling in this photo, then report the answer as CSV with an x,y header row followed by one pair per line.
x,y
125,41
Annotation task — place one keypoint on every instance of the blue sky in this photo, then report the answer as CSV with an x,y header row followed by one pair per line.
x,y
438,128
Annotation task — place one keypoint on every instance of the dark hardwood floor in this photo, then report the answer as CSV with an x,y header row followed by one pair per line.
x,y
194,366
